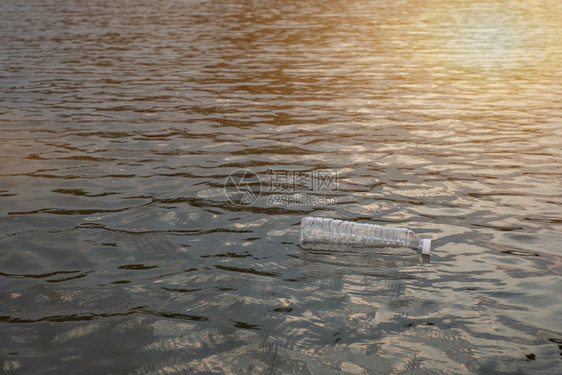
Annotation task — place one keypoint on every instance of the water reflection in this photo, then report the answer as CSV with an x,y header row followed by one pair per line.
x,y
120,122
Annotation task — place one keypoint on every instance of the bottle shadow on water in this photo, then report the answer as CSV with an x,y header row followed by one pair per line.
x,y
385,264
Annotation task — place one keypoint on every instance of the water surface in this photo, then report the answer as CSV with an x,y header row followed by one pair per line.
x,y
120,121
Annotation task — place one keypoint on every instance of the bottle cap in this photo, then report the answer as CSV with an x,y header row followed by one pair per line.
x,y
426,247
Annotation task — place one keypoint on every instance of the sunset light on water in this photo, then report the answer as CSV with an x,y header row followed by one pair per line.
x,y
510,36
157,160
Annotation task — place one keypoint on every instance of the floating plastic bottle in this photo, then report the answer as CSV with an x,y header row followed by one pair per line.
x,y
337,235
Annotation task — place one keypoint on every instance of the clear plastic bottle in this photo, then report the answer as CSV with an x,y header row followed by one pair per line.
x,y
330,234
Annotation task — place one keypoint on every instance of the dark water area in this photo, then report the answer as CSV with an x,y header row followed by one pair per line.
x,y
122,251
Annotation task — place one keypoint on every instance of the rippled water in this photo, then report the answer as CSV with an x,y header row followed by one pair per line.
x,y
120,122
